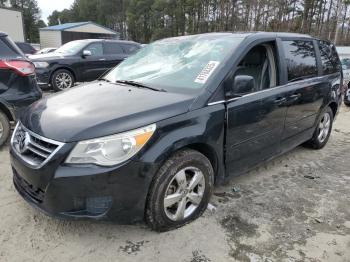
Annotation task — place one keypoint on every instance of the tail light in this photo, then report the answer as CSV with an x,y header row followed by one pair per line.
x,y
23,68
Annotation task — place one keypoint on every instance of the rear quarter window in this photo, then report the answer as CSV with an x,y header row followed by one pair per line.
x,y
300,58
329,57
6,50
130,49
26,48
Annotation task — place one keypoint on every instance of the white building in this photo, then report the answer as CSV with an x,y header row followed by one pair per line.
x,y
11,22
55,36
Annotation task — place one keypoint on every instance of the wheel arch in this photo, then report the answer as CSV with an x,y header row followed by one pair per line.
x,y
207,150
9,114
64,68
334,106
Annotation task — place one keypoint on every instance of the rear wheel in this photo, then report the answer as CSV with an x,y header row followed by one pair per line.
x,y
62,79
323,130
180,191
4,128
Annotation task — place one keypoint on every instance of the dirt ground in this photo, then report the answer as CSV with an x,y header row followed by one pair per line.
x,y
295,208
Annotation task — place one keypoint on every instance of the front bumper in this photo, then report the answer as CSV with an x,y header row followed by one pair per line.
x,y
43,77
117,194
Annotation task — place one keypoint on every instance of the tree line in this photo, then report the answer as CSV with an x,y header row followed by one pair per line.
x,y
148,20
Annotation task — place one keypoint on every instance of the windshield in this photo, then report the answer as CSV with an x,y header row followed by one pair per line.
x,y
177,64
71,48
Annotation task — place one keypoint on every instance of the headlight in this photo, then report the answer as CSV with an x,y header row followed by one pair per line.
x,y
111,150
41,64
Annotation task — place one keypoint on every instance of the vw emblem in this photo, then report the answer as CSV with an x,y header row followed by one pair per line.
x,y
23,139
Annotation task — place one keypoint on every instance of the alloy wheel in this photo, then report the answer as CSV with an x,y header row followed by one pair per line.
x,y
184,193
63,81
324,127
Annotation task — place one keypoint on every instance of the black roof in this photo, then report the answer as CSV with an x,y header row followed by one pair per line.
x,y
250,35
108,40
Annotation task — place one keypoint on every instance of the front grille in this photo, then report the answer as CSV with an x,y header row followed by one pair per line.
x,y
32,148
34,193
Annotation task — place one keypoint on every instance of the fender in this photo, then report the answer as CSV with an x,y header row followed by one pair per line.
x,y
201,129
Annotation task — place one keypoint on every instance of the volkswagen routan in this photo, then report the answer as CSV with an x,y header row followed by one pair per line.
x,y
151,139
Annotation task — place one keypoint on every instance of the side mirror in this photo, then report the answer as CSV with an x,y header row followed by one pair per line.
x,y
87,53
242,84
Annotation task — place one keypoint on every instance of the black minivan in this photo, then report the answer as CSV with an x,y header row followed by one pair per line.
x,y
151,139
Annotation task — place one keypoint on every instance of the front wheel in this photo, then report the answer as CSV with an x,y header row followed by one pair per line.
x,y
323,130
62,79
180,192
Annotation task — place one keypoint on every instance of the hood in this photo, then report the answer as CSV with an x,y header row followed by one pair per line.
x,y
46,57
100,109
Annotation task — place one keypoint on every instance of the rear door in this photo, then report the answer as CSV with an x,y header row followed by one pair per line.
x,y
255,121
305,87
114,53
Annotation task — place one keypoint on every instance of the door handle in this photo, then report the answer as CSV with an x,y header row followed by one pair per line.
x,y
102,59
280,100
295,97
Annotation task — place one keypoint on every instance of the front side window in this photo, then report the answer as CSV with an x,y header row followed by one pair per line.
x,y
259,64
300,59
181,64
329,58
71,48
96,49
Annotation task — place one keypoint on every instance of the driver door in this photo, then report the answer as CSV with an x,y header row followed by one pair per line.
x,y
92,67
255,121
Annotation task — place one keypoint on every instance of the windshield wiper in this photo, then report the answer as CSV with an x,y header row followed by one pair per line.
x,y
104,80
138,84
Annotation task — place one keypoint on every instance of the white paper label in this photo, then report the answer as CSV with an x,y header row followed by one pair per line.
x,y
207,72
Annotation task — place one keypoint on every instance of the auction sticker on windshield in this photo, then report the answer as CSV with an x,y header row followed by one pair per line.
x,y
207,72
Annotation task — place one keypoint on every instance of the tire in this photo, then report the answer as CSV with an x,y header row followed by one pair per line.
x,y
347,97
61,80
4,128
318,141
186,165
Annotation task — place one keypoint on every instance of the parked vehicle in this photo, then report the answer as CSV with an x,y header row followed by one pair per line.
x,y
26,48
80,61
18,87
150,139
46,50
346,72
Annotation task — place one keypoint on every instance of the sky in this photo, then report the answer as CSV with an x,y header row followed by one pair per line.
x,y
48,6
